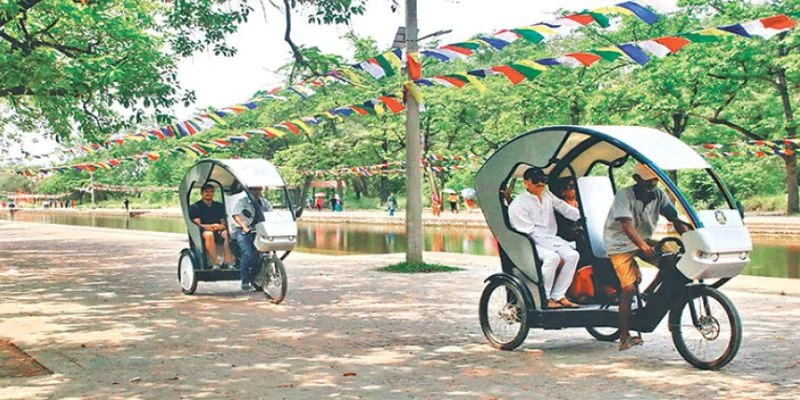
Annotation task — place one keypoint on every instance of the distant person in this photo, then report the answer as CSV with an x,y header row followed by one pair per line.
x,y
628,232
209,215
337,203
243,214
320,203
436,204
309,202
127,203
391,204
453,200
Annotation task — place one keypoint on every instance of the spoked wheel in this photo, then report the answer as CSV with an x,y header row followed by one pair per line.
x,y
271,279
603,334
503,315
706,328
186,275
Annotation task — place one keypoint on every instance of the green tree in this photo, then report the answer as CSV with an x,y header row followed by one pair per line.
x,y
68,65
770,70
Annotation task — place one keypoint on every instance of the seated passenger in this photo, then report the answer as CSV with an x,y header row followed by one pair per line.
x,y
532,212
581,289
243,214
565,190
209,215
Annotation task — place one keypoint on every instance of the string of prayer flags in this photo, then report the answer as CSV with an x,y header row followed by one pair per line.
x,y
639,52
387,63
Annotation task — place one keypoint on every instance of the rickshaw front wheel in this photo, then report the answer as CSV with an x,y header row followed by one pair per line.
x,y
604,334
186,276
271,279
706,328
503,315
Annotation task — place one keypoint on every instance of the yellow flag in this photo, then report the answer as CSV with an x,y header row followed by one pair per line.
x,y
414,91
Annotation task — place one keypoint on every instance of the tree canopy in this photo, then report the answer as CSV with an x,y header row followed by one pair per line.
x,y
730,90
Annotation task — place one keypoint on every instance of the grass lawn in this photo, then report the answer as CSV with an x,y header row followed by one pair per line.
x,y
406,268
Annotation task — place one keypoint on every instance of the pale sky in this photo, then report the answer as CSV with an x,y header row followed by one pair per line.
x,y
221,81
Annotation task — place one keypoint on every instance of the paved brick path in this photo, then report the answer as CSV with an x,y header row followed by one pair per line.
x,y
102,310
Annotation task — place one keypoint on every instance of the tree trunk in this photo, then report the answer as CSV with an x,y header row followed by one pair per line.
x,y
792,200
679,122
414,238
575,112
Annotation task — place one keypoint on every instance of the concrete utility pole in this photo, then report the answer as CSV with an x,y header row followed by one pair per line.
x,y
413,153
91,183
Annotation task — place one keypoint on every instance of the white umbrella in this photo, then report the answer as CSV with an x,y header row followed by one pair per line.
x,y
468,193
319,194
448,190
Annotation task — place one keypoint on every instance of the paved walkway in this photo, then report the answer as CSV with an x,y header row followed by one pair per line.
x,y
101,309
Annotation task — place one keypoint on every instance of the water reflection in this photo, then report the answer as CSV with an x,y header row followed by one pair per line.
x,y
379,239
770,258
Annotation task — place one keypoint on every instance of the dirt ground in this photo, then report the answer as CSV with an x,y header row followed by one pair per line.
x,y
102,310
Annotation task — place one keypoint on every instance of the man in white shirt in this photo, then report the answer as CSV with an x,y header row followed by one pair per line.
x,y
533,213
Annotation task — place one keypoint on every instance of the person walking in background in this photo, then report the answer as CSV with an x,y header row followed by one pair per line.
x,y
337,203
320,203
436,204
127,204
452,198
391,204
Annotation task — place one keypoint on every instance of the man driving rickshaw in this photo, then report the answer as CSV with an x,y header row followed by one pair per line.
x,y
628,232
243,213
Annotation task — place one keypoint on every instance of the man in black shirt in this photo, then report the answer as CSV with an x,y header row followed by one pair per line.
x,y
209,215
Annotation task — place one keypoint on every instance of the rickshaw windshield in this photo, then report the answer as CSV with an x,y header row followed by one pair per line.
x,y
702,190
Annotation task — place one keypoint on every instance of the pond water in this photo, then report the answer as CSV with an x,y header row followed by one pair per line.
x,y
769,257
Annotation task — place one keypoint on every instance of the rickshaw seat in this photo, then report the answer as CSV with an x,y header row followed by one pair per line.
x,y
596,197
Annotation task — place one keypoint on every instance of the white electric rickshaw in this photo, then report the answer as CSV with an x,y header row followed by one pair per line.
x,y
272,231
704,323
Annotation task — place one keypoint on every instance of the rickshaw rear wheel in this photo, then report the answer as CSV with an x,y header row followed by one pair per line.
x,y
271,279
706,322
186,276
502,307
604,334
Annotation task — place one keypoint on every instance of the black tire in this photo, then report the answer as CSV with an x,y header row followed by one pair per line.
x,y
186,272
708,304
604,334
511,310
271,279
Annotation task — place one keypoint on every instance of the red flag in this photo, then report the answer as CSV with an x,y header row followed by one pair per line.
x,y
414,67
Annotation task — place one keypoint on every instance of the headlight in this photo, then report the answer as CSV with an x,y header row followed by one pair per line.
x,y
270,238
708,256
291,238
743,255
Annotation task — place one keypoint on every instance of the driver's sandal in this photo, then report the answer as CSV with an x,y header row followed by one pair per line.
x,y
629,342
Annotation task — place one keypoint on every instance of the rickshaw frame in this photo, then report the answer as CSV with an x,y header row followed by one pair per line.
x,y
244,176
670,289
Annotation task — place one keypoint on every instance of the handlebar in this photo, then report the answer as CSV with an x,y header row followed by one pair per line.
x,y
658,248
